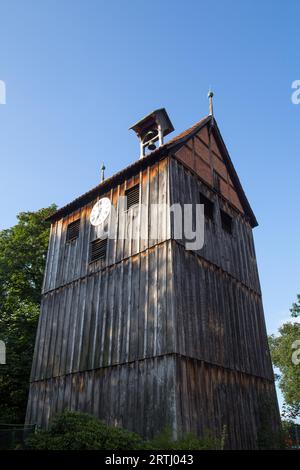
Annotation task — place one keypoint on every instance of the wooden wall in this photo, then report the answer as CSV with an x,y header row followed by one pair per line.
x,y
218,319
139,396
67,262
154,335
211,397
234,253
119,314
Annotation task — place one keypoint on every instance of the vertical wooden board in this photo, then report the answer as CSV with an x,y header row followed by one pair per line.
x,y
162,199
128,307
108,225
37,348
121,226
86,239
196,308
134,314
67,391
74,393
87,325
46,338
99,289
80,324
197,287
137,219
162,299
140,384
171,325
59,336
66,322
179,303
116,356
128,221
96,394
47,271
55,252
123,395
114,226
80,245
123,312
109,333
142,307
144,213
104,309
72,337
151,302
94,302
64,253
153,209
76,248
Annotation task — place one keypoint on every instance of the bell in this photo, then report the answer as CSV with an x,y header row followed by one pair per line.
x,y
151,145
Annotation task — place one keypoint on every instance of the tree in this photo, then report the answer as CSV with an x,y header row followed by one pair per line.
x,y
285,351
23,250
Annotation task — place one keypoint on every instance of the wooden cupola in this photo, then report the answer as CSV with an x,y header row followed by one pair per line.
x,y
152,128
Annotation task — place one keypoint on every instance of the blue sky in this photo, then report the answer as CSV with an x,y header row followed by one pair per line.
x,y
79,73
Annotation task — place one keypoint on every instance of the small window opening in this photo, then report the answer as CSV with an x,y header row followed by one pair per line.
x,y
73,230
133,196
226,222
98,249
208,207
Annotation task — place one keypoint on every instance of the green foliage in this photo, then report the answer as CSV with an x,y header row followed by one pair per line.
x,y
295,310
291,434
72,430
282,351
23,250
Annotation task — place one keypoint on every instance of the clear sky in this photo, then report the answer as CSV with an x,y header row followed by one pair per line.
x,y
79,73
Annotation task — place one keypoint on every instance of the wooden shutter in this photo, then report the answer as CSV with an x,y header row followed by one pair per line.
x,y
98,249
73,230
133,196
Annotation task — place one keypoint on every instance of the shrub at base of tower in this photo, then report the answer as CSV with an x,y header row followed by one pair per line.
x,y
72,430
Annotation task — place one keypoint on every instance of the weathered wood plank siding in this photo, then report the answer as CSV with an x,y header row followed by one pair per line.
x,y
211,397
101,320
233,253
139,396
67,262
219,320
155,335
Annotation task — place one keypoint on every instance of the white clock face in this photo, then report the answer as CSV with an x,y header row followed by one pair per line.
x,y
100,211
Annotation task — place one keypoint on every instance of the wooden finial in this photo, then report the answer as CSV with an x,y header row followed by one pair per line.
x,y
102,172
210,97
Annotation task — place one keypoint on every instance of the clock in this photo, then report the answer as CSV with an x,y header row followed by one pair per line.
x,y
100,211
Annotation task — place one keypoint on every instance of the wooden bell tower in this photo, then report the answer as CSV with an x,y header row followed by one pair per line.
x,y
140,331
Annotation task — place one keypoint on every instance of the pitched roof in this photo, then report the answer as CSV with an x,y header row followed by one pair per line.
x,y
151,158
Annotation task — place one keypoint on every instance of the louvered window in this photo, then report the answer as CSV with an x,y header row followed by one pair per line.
x,y
98,249
133,196
73,230
226,222
208,207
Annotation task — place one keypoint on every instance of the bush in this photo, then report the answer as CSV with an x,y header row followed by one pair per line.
x,y
72,430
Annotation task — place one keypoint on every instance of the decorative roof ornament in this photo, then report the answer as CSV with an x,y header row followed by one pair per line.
x,y
210,98
102,172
